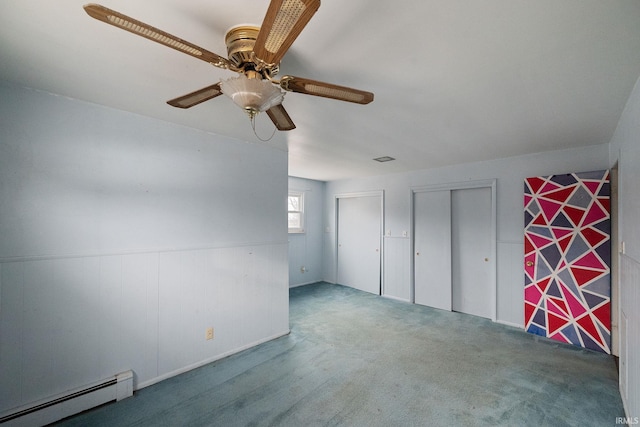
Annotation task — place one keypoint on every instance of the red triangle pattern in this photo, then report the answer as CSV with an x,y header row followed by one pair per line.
x,y
539,241
543,284
587,325
553,308
554,323
592,186
593,236
527,200
561,305
532,295
590,260
561,195
528,246
564,243
535,184
561,232
549,187
595,215
539,220
574,214
559,337
603,314
605,202
576,307
528,312
584,276
550,209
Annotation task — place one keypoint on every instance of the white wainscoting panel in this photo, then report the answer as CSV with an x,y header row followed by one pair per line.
x,y
71,321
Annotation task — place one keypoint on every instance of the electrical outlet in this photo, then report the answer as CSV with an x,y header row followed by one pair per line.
x,y
209,334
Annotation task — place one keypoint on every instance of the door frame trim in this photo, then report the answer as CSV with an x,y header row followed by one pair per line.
x,y
484,183
373,193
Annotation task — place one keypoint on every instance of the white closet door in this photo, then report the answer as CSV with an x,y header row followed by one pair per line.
x,y
432,244
471,251
359,229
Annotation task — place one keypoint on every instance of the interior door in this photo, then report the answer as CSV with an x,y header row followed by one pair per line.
x,y
471,248
567,294
359,242
432,249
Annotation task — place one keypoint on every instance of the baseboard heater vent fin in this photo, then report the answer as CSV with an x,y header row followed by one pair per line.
x,y
73,402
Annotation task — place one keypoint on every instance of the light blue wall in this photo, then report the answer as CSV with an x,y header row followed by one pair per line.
x,y
305,250
509,173
123,239
625,151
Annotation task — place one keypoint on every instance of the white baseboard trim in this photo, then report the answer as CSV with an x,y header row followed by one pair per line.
x,y
304,284
396,298
209,360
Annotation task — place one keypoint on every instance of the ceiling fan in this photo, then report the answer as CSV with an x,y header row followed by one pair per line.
x,y
254,53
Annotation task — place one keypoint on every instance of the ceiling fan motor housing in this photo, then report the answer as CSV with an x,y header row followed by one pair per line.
x,y
240,41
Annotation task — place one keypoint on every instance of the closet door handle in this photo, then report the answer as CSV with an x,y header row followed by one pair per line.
x,y
529,263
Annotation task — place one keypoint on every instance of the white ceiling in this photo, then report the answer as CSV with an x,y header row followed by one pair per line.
x,y
454,80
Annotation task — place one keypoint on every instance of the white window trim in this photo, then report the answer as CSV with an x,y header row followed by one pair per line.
x,y
299,194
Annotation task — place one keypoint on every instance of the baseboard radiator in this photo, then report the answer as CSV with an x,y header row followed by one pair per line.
x,y
70,403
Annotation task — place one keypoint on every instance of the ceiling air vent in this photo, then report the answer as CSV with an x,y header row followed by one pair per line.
x,y
384,159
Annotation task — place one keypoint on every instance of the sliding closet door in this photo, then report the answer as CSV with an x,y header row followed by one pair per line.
x,y
432,244
359,237
471,238
454,248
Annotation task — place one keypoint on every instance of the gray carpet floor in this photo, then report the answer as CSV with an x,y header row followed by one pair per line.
x,y
356,359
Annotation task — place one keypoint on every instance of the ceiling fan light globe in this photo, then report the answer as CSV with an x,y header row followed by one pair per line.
x,y
252,95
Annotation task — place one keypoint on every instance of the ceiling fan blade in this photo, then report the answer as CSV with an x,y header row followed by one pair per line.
x,y
326,90
283,23
197,97
134,26
280,118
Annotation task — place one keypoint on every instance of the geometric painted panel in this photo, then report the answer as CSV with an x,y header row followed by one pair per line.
x,y
567,258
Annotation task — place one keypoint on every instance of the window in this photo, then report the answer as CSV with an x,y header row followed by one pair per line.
x,y
295,206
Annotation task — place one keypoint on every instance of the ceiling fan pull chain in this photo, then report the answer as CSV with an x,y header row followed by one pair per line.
x,y
253,126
